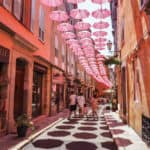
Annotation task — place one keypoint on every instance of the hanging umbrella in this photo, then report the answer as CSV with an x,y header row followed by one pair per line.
x,y
59,15
75,1
100,48
100,40
79,13
72,41
84,34
64,27
99,33
86,41
100,45
52,3
68,35
74,45
100,1
101,13
82,26
101,25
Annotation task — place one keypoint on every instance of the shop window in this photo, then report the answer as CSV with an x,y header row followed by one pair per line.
x,y
123,88
41,23
37,94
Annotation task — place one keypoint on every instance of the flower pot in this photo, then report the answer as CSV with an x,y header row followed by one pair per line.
x,y
21,131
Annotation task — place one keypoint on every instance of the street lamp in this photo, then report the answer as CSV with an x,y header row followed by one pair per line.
x,y
109,45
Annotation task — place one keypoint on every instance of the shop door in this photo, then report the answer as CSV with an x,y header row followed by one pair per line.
x,y
19,89
37,94
59,97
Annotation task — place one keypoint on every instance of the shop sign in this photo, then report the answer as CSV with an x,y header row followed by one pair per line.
x,y
4,54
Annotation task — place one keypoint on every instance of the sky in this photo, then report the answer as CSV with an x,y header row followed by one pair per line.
x,y
91,7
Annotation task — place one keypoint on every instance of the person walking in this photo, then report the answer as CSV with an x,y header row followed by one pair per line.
x,y
72,104
94,106
81,102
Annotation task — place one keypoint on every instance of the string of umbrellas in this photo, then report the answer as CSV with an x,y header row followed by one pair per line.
x,y
79,37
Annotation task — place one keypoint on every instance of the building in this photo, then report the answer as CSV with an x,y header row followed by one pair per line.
x,y
133,75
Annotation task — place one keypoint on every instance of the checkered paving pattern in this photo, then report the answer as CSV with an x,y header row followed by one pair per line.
x,y
75,134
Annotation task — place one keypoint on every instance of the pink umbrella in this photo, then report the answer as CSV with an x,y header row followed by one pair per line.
x,y
59,15
82,26
100,45
75,1
100,48
72,41
100,33
100,40
100,1
101,13
84,34
101,25
68,35
86,41
79,13
64,27
52,3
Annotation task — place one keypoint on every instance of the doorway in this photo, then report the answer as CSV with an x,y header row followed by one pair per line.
x,y
19,107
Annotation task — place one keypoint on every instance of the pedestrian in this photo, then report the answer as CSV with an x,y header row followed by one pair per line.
x,y
81,102
85,110
94,106
72,104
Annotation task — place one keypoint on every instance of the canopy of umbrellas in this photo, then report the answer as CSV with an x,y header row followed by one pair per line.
x,y
78,36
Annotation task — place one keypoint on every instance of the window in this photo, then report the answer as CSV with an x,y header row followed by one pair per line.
x,y
56,52
32,14
7,4
20,9
122,32
41,23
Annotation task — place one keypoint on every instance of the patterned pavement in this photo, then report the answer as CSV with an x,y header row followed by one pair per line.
x,y
75,134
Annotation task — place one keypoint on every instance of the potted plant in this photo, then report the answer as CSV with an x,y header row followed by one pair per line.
x,y
23,123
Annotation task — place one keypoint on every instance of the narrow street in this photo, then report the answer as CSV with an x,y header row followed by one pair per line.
x,y
76,134
57,55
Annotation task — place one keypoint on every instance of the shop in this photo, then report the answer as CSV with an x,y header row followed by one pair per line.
x,y
4,81
58,91
39,89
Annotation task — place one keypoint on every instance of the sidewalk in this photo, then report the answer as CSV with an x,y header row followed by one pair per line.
x,y
11,139
124,136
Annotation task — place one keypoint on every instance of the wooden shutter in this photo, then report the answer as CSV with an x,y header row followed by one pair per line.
x,y
17,10
27,13
7,4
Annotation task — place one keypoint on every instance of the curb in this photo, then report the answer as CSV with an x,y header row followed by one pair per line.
x,y
30,138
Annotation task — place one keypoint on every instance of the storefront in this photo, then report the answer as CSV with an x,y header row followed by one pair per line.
x,y
4,61
57,91
38,93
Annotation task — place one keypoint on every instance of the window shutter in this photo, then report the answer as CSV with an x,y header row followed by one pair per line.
x,y
7,4
27,13
18,8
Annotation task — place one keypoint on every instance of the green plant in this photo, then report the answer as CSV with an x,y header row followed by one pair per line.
x,y
23,120
111,61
